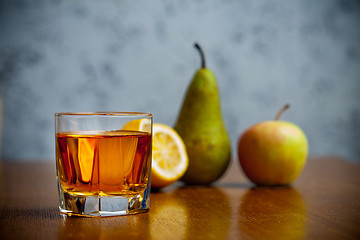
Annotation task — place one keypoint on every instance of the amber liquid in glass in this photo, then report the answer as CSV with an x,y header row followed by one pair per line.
x,y
103,163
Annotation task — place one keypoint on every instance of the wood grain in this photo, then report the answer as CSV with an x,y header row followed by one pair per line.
x,y
324,203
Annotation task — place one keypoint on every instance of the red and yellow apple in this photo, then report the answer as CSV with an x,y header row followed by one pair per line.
x,y
273,152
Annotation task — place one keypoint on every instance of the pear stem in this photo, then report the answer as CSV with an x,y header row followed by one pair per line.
x,y
203,64
282,110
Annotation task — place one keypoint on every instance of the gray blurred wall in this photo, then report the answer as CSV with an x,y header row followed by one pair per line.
x,y
138,56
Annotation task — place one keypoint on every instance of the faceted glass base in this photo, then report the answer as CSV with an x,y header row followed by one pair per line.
x,y
104,206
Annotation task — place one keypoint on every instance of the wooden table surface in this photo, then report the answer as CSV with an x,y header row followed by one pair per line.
x,y
324,203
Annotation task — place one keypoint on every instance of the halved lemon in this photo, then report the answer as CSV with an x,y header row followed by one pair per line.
x,y
169,157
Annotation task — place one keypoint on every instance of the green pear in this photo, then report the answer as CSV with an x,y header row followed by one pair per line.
x,y
201,126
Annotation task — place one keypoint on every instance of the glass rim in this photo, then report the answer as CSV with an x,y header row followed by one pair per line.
x,y
104,113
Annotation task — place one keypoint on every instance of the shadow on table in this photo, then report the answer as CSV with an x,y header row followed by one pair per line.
x,y
29,223
120,227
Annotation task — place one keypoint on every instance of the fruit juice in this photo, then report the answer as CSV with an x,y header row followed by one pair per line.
x,y
103,163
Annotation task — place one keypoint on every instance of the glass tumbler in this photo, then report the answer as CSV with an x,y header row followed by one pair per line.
x,y
103,162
